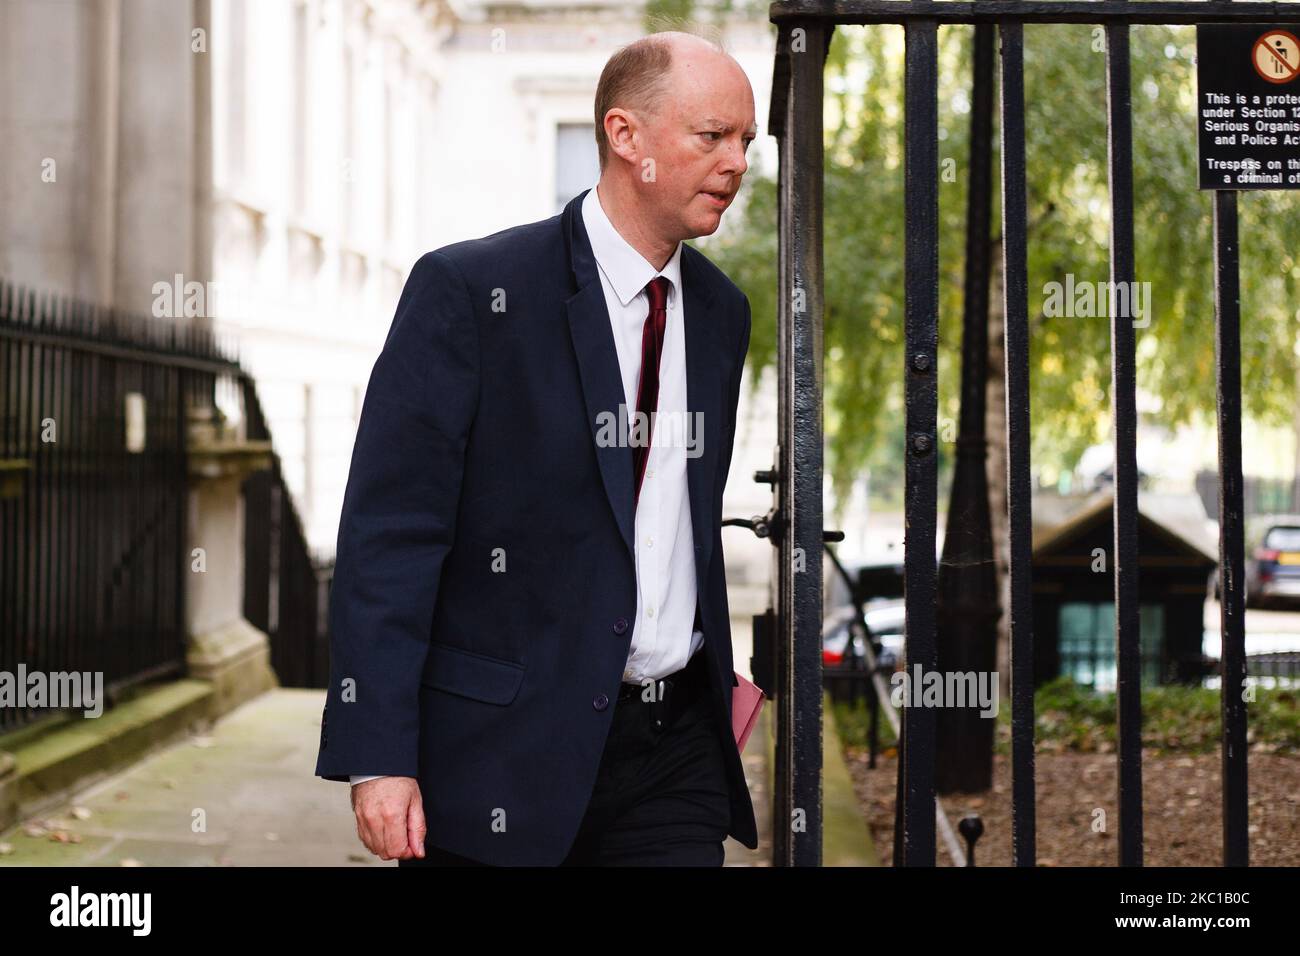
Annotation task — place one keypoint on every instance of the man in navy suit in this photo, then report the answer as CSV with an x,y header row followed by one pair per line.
x,y
531,660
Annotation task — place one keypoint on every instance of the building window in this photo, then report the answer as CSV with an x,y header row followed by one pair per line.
x,y
301,109
236,54
577,164
348,160
390,165
1087,642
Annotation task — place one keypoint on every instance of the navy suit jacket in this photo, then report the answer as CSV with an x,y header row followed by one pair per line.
x,y
484,586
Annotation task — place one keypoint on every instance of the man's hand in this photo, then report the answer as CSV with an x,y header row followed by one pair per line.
x,y
390,817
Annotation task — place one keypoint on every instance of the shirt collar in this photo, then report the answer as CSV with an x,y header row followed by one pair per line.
x,y
626,269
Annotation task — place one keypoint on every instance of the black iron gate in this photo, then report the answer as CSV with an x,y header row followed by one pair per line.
x,y
93,489
93,533
805,29
286,586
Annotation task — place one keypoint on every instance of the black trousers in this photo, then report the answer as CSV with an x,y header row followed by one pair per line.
x,y
661,796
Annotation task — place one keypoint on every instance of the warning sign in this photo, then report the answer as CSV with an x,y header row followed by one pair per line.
x,y
1277,56
1248,105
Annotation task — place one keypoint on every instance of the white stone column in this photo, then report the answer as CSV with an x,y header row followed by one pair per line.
x,y
222,646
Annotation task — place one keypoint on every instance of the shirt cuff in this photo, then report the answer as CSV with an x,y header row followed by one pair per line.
x,y
363,777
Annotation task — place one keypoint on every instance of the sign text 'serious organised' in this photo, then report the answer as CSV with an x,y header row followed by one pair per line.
x,y
1248,106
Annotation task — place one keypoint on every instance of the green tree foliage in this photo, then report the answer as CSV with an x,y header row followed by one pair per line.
x,y
1069,216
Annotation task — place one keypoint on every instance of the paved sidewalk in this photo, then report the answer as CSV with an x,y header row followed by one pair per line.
x,y
755,760
242,795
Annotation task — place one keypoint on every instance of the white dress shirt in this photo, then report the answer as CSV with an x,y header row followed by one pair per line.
x,y
663,636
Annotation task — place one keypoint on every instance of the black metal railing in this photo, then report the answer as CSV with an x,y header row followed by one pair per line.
x,y
94,490
1259,496
1281,668
805,28
92,517
286,586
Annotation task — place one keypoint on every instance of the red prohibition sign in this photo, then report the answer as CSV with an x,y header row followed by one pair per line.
x,y
1276,56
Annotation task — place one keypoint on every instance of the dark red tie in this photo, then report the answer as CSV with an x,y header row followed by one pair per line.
x,y
647,392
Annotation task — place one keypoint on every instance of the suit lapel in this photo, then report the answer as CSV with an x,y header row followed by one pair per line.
x,y
602,384
704,400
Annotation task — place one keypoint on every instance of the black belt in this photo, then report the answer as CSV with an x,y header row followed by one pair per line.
x,y
668,697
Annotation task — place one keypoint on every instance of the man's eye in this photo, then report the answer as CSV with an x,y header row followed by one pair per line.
x,y
711,133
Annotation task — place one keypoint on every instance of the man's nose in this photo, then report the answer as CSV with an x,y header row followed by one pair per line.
x,y
736,162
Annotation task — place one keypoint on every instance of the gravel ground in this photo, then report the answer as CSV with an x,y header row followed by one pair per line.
x,y
1181,810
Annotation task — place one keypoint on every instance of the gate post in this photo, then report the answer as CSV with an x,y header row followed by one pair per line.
x,y
921,322
797,804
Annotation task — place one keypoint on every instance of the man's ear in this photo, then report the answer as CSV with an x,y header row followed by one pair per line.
x,y
619,133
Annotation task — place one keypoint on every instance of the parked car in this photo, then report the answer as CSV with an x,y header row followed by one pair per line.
x,y
1273,564
885,619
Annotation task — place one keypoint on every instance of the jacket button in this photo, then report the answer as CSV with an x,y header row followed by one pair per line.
x,y
620,626
600,702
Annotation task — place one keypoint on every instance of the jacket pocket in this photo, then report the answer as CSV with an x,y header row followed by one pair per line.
x,y
477,676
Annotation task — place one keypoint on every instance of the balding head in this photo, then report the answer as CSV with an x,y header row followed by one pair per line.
x,y
674,119
639,76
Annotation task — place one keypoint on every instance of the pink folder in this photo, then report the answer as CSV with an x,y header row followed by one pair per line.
x,y
746,703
